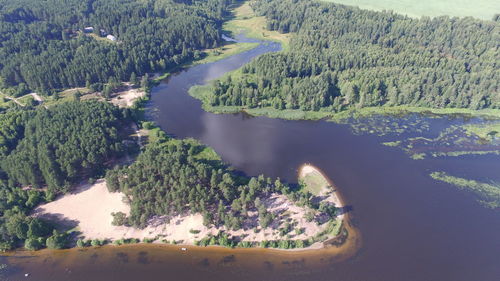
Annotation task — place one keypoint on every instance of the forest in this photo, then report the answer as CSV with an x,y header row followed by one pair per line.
x,y
342,57
42,153
46,45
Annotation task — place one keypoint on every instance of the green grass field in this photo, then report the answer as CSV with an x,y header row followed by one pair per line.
x,y
315,183
483,9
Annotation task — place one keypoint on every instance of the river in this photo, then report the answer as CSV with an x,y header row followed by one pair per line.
x,y
412,227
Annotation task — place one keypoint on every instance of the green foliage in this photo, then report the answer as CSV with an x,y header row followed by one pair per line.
x,y
56,241
309,216
59,145
148,240
171,178
284,244
194,231
488,131
119,218
344,58
221,239
80,243
152,36
38,228
487,193
97,242
15,225
34,244
148,125
333,229
328,209
12,124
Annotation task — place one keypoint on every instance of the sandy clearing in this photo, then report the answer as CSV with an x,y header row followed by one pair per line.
x,y
91,207
127,97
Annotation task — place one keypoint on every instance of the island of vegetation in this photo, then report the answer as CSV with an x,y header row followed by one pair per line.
x,y
488,194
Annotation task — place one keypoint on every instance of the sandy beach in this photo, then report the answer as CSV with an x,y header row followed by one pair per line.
x,y
90,206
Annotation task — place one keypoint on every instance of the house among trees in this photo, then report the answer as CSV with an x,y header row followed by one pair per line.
x,y
111,37
88,29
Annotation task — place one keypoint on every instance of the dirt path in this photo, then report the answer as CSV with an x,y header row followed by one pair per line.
x,y
35,96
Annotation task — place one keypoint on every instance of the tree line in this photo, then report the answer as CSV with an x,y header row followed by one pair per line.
x,y
44,47
43,152
342,57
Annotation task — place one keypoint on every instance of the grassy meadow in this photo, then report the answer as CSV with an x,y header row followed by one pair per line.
x,y
244,20
483,9
315,183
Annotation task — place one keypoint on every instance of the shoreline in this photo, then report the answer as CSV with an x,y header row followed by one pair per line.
x,y
339,200
93,223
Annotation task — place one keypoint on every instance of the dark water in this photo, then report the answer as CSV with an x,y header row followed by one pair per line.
x,y
413,228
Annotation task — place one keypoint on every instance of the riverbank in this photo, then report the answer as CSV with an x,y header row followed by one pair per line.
x,y
203,93
245,20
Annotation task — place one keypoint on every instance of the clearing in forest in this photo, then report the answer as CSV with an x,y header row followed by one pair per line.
x,y
483,9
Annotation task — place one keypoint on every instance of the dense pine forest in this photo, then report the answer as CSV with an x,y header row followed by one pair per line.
x,y
173,177
43,152
342,57
53,44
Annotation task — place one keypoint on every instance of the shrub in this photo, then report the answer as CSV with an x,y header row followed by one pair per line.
x,y
80,243
56,241
119,218
33,244
95,242
194,231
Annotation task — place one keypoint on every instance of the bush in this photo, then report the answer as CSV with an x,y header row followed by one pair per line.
x,y
80,243
56,241
119,218
309,216
148,125
96,243
299,231
33,244
6,246
148,240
